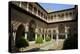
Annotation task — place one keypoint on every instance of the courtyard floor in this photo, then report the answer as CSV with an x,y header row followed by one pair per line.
x,y
46,46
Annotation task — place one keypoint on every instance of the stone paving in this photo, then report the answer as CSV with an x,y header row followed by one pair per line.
x,y
51,45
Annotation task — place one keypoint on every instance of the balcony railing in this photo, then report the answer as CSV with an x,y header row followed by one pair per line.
x,y
26,6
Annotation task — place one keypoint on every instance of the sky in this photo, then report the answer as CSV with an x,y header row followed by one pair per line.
x,y
50,7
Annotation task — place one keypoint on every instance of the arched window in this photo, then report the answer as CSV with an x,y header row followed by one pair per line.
x,y
66,14
30,7
61,28
31,32
61,31
24,5
51,17
39,30
59,15
70,14
35,10
62,15
39,12
54,15
20,33
54,34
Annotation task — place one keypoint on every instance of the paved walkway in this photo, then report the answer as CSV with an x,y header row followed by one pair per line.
x,y
51,45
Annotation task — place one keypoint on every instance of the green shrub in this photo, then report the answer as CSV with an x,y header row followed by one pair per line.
x,y
39,39
22,42
47,38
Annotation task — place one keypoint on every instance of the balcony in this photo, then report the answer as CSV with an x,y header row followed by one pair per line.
x,y
35,11
29,8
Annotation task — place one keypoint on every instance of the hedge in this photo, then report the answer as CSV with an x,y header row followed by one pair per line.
x,y
22,42
47,38
39,39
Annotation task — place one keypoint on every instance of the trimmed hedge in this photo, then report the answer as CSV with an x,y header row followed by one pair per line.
x,y
39,39
47,38
22,42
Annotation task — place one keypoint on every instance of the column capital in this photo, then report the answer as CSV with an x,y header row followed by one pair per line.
x,y
36,30
14,30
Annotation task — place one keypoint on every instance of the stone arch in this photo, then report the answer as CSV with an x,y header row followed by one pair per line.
x,y
61,28
54,34
61,31
20,32
31,30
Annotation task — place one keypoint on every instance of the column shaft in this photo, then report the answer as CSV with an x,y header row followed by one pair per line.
x,y
44,37
20,4
25,35
35,36
27,6
66,36
14,35
57,38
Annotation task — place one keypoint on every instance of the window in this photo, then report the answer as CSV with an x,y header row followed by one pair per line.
x,y
62,15
54,15
54,31
66,14
70,14
38,12
35,10
30,7
46,17
61,28
39,30
51,17
49,31
24,4
58,15
17,3
41,14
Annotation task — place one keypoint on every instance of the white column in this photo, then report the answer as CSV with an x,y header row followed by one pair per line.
x,y
33,9
57,36
26,30
36,33
66,36
27,6
20,4
25,35
35,36
66,32
14,36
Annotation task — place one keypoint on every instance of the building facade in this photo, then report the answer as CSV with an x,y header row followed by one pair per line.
x,y
29,19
